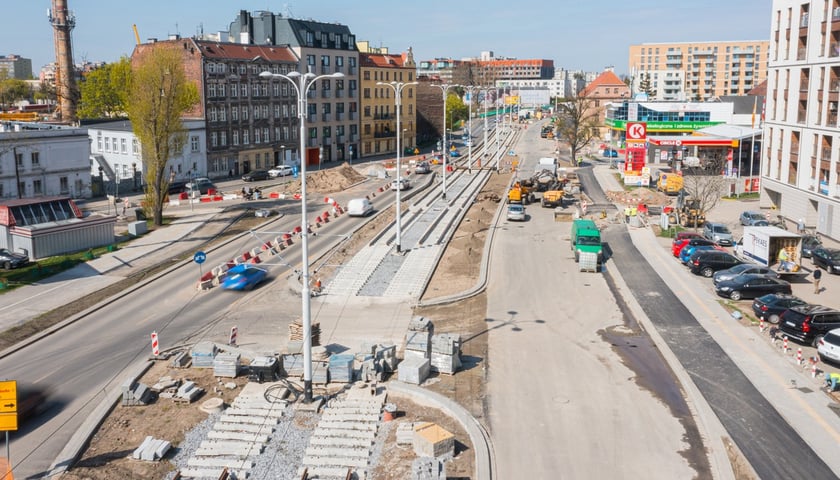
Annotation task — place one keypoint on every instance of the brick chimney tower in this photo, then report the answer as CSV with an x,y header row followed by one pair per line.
x,y
63,21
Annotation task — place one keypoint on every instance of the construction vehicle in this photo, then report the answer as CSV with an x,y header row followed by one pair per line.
x,y
689,212
552,198
586,238
521,192
669,183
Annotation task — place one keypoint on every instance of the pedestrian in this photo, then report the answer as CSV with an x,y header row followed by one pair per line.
x,y
627,214
800,226
817,275
230,173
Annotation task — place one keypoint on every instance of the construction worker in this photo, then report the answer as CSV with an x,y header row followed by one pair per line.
x,y
783,259
627,214
831,380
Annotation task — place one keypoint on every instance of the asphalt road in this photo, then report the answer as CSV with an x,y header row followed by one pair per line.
x,y
768,442
97,353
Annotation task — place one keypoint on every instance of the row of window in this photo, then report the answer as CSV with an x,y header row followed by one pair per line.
x,y
385,76
261,89
41,213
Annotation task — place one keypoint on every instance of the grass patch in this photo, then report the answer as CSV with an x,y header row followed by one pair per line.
x,y
744,196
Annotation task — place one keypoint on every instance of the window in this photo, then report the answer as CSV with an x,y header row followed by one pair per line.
x,y
234,113
367,75
367,111
277,111
351,61
235,137
325,60
107,144
264,111
352,84
313,133
222,89
211,90
36,159
275,89
366,93
223,113
265,135
339,62
135,146
99,141
339,130
233,91
214,140
123,146
310,60
257,136
36,187
213,114
194,143
327,132
246,137
223,138
243,90
63,185
244,113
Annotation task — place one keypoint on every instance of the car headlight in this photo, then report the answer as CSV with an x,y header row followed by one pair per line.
x,y
724,289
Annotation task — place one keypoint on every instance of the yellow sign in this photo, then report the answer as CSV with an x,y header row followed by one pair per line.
x,y
8,405
8,421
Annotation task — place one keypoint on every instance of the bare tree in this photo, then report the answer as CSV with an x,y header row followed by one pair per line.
x,y
160,94
577,122
705,185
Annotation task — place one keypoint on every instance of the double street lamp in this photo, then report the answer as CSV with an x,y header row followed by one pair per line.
x,y
398,87
302,82
443,88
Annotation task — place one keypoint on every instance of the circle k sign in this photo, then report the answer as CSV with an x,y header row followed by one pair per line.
x,y
636,131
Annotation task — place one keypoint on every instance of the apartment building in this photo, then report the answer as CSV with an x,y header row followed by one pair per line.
x,y
698,71
332,119
16,66
379,108
605,90
801,167
251,122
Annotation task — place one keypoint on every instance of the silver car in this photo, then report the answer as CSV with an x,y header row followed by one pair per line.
x,y
751,217
743,269
516,213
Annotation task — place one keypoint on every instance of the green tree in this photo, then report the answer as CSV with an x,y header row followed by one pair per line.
x,y
645,86
160,94
577,122
12,90
105,91
456,110
45,93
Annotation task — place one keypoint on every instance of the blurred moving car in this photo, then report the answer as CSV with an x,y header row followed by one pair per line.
x,y
255,175
610,153
718,233
401,184
809,243
516,212
827,258
423,168
243,277
359,207
828,347
751,286
809,323
200,185
750,217
771,306
744,269
10,259
280,171
706,263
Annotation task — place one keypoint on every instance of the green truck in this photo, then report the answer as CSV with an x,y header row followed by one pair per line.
x,y
586,237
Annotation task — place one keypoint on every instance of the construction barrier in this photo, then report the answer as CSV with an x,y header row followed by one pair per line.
x,y
155,346
233,333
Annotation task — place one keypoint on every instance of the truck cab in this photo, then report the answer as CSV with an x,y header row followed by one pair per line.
x,y
586,237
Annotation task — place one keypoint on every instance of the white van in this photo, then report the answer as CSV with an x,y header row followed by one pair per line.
x,y
359,207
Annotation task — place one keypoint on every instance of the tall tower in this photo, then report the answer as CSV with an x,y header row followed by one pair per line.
x,y
63,22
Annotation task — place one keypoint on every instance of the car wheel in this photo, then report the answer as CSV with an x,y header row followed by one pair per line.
x,y
707,272
7,265
774,319
577,257
735,295
816,341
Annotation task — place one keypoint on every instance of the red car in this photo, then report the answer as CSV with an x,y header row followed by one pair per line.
x,y
692,239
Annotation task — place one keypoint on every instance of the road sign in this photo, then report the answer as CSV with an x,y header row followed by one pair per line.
x,y
636,131
8,405
199,257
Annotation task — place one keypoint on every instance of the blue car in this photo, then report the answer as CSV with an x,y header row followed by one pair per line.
x,y
687,252
610,153
243,277
454,153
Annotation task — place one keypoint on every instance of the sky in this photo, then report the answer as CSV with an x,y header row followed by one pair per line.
x,y
576,34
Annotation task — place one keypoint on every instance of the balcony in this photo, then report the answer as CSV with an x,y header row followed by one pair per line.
x,y
385,134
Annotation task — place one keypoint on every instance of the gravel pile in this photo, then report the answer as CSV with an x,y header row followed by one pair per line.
x,y
281,458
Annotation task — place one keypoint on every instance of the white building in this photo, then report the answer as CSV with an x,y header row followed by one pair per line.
x,y
801,165
39,160
116,151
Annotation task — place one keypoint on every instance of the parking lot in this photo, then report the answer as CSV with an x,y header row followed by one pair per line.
x,y
728,212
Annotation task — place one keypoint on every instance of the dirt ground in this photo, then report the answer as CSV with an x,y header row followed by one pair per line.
x,y
109,452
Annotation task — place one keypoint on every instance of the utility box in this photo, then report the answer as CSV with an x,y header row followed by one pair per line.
x,y
135,229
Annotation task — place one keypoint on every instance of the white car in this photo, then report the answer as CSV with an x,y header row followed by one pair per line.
x,y
828,346
516,212
280,171
401,184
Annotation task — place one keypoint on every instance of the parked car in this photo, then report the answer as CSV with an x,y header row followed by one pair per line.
x,y
771,306
751,286
718,233
809,243
828,347
516,212
10,259
610,153
809,323
423,168
706,263
401,184
255,175
827,258
200,185
677,248
280,171
177,187
749,217
744,269
689,250
243,277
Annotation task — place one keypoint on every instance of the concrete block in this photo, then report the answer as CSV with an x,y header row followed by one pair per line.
x,y
414,370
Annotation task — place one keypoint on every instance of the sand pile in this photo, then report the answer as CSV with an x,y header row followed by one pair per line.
x,y
329,180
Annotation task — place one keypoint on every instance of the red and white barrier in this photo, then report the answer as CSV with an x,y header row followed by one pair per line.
x,y
814,361
233,333
761,326
785,344
155,346
799,356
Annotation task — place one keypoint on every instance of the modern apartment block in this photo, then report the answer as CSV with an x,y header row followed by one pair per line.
x,y
698,71
379,109
801,167
332,120
16,66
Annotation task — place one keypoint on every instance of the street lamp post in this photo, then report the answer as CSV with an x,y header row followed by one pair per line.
x,y
443,88
471,90
304,82
398,87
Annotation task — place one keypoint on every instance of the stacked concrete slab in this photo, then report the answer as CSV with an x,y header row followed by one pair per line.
x,y
226,365
341,368
446,353
151,450
432,440
203,354
134,394
418,339
239,435
343,440
414,370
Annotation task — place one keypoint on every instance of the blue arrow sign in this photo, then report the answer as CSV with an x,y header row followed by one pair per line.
x,y
199,257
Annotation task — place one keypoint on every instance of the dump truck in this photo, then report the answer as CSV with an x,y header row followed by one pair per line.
x,y
552,198
586,237
522,192
669,183
762,245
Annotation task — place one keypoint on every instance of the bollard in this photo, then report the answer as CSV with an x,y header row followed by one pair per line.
x,y
155,348
761,326
233,334
799,356
785,344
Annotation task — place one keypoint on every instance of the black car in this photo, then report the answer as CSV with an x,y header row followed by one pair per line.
x,y
809,243
809,323
827,258
255,175
744,269
771,306
751,286
10,259
707,262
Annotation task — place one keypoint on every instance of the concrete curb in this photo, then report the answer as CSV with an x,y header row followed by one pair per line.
x,y
485,464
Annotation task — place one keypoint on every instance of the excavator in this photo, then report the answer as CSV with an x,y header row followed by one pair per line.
x,y
689,211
